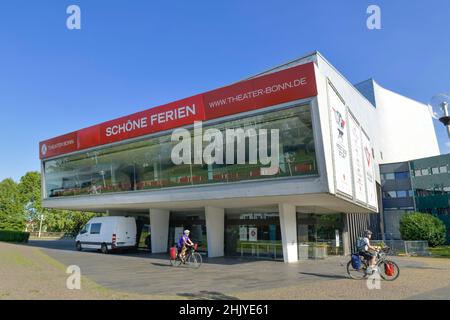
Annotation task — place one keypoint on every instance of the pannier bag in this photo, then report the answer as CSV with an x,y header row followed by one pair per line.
x,y
356,262
389,269
173,253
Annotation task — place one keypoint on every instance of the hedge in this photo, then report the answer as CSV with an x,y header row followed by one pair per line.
x,y
423,226
14,236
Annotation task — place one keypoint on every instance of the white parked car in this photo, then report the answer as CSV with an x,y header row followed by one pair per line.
x,y
107,233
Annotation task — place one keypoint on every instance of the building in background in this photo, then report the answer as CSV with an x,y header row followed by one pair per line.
x,y
421,185
325,193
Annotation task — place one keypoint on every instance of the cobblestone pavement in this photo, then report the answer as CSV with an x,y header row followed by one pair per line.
x,y
233,278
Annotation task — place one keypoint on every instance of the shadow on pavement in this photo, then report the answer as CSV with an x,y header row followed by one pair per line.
x,y
207,295
328,276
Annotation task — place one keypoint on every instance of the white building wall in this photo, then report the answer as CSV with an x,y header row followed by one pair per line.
x,y
406,127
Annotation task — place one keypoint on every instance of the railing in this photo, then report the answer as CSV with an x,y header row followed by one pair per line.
x,y
262,250
401,247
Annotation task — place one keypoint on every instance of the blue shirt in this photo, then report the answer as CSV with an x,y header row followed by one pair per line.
x,y
183,239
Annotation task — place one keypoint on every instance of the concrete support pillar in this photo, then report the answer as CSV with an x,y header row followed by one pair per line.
x,y
159,227
288,226
215,229
346,236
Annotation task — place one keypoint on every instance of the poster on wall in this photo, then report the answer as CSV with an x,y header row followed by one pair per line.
x,y
252,234
369,172
340,145
243,233
357,159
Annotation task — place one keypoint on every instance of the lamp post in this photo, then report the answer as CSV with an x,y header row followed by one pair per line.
x,y
446,118
41,218
439,109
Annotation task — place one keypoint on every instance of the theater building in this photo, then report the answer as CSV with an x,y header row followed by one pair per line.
x,y
324,191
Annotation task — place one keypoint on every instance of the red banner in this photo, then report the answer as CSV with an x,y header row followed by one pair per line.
x,y
60,145
287,85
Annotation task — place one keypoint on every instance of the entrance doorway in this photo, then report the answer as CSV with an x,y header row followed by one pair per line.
x,y
319,235
193,221
256,235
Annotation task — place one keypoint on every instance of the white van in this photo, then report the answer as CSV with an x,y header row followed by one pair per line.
x,y
107,233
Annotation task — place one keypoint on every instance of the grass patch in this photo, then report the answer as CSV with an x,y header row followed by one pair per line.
x,y
17,259
440,251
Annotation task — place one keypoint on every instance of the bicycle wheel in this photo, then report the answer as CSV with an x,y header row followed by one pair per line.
x,y
356,274
195,260
175,262
382,268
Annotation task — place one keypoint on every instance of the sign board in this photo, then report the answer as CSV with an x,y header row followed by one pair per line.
x,y
340,144
252,234
290,84
243,233
369,171
357,159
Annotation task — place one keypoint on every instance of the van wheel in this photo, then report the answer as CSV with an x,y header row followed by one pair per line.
x,y
104,248
78,246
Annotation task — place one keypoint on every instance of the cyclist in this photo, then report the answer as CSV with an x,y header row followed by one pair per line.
x,y
367,250
183,244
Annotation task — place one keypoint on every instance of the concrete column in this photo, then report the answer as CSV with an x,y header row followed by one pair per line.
x,y
215,230
346,236
159,226
288,226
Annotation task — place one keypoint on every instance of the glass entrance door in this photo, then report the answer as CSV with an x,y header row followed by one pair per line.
x,y
255,235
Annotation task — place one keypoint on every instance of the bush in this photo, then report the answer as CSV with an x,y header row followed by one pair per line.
x,y
423,226
14,236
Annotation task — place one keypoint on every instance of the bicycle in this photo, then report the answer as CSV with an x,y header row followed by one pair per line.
x,y
388,269
192,257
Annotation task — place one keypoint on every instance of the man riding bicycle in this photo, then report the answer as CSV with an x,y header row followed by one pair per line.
x,y
368,251
183,244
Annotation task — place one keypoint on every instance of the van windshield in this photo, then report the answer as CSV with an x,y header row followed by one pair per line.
x,y
84,229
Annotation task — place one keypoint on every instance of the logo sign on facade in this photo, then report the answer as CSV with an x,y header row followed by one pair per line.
x,y
340,145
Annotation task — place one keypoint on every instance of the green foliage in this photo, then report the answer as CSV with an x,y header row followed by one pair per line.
x,y
423,226
22,201
14,236
12,213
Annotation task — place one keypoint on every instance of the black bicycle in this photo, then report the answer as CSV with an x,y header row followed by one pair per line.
x,y
192,258
388,269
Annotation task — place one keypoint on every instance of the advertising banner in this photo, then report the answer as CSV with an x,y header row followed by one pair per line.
x,y
278,87
340,145
357,159
243,233
287,85
369,172
252,234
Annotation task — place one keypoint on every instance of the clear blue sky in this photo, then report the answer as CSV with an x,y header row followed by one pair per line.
x,y
132,55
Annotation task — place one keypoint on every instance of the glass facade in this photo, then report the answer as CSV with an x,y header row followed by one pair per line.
x,y
147,164
253,235
194,222
319,235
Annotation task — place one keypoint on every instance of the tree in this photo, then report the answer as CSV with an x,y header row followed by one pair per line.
x,y
12,213
30,193
423,226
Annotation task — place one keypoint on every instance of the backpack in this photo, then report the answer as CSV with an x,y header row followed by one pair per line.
x,y
356,262
360,244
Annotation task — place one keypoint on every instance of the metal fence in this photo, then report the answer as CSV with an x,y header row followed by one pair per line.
x,y
401,247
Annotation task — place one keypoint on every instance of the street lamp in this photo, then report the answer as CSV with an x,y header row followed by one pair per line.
x,y
439,109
